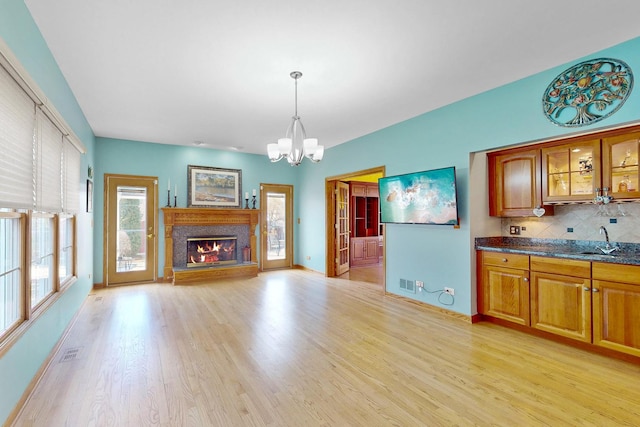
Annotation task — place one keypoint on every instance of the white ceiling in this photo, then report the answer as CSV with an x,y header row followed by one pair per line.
x,y
175,72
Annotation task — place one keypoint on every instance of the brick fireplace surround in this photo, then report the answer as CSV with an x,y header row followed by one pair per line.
x,y
203,217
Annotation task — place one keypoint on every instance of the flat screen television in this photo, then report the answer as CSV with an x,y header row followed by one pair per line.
x,y
427,197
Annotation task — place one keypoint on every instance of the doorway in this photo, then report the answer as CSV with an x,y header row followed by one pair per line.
x,y
338,227
276,242
130,229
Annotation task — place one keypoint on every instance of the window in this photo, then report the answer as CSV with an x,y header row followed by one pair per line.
x,y
11,271
39,194
66,228
42,257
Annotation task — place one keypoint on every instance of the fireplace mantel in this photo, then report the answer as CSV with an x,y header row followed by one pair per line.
x,y
203,217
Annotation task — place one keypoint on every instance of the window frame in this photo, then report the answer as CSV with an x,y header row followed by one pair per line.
x,y
30,313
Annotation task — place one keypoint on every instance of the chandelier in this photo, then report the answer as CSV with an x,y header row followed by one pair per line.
x,y
295,146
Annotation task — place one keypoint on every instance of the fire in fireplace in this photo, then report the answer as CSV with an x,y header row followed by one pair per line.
x,y
204,251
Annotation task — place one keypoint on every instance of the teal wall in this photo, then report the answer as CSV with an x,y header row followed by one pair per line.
x,y
114,156
21,362
440,256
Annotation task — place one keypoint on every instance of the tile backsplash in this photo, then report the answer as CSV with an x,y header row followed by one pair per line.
x,y
621,220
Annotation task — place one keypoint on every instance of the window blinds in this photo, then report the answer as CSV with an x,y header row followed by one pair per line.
x,y
17,123
71,159
39,165
48,166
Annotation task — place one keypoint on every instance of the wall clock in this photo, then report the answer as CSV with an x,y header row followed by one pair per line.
x,y
587,92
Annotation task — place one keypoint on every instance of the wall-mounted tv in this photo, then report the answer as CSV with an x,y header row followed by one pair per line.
x,y
427,197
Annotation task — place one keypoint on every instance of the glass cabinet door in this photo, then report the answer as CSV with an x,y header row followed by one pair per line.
x,y
620,165
571,171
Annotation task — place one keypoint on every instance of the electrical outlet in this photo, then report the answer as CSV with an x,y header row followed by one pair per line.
x,y
419,284
449,291
514,229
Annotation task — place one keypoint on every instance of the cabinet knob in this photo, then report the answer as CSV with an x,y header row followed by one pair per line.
x,y
504,260
586,289
526,279
595,290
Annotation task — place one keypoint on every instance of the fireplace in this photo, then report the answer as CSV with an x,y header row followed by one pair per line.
x,y
181,224
215,250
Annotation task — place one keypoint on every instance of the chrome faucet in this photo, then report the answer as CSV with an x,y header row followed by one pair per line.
x,y
607,248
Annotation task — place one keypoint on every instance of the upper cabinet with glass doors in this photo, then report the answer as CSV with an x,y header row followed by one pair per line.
x,y
620,165
571,172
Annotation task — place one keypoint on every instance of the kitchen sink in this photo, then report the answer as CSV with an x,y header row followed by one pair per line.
x,y
596,253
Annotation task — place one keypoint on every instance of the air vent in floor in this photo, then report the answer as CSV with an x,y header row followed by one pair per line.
x,y
70,354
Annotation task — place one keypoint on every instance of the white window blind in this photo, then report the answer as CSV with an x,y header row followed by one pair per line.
x,y
17,121
49,166
71,156
40,156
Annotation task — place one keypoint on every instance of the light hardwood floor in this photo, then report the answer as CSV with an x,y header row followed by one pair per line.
x,y
293,348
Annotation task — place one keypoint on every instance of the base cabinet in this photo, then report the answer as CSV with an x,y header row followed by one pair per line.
x,y
592,302
616,307
505,293
561,297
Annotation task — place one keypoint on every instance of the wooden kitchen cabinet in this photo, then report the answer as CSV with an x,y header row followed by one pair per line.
x,y
571,172
616,307
561,296
515,183
596,303
620,165
505,286
564,171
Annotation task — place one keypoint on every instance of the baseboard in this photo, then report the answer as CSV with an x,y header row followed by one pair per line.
x,y
433,308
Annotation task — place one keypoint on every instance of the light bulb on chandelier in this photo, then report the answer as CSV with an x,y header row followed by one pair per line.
x,y
295,146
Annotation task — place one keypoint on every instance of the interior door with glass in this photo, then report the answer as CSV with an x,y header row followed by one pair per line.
x,y
130,229
342,228
276,203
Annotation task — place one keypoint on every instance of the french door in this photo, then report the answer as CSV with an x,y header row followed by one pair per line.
x,y
276,206
130,229
342,228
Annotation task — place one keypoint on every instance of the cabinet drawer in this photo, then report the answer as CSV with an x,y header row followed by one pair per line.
x,y
565,267
616,272
502,259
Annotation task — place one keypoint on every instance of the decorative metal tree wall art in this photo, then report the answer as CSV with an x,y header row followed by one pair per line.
x,y
587,92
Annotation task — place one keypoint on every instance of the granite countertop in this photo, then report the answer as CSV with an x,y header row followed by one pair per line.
x,y
629,253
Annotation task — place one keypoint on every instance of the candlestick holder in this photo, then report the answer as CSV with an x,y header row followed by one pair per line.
x,y
246,203
175,201
168,198
253,202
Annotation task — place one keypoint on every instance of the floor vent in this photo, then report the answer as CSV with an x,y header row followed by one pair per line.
x,y
408,285
98,299
70,354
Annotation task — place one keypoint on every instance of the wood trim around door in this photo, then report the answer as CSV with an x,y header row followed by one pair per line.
x,y
287,261
150,273
330,203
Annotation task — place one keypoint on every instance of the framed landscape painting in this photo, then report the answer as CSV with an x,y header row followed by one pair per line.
x,y
214,187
